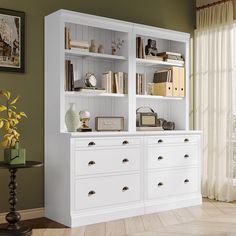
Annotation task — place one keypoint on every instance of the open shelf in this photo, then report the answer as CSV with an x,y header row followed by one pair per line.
x,y
77,53
159,97
92,94
146,62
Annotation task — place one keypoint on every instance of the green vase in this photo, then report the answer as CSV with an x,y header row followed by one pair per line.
x,y
14,155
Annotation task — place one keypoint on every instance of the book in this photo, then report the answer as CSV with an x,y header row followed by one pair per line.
x,y
150,57
79,44
125,77
169,53
181,63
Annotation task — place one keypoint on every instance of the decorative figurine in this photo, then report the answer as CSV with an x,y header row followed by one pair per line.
x,y
150,48
93,47
116,45
84,119
101,49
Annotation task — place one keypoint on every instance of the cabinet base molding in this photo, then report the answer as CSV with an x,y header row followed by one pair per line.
x,y
106,214
25,214
167,204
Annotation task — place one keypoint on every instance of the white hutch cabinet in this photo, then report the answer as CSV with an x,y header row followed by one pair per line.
x,y
100,176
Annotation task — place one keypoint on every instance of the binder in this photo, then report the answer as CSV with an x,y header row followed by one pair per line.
x,y
181,81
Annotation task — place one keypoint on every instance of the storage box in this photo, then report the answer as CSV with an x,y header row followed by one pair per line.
x,y
178,79
162,89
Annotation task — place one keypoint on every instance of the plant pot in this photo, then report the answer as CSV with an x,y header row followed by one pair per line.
x,y
14,155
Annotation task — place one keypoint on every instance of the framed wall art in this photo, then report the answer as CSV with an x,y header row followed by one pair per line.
x,y
12,40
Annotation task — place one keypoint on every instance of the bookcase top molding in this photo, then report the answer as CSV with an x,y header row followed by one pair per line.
x,y
123,26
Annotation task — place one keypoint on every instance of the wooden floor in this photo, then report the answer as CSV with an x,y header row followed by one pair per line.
x,y
212,218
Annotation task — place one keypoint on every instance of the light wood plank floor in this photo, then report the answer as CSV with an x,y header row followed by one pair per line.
x,y
212,218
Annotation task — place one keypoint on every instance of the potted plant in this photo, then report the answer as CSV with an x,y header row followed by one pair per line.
x,y
9,120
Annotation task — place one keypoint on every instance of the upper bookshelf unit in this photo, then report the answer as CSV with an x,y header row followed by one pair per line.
x,y
94,62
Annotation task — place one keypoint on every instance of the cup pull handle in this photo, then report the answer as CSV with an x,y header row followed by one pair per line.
x,y
91,163
186,181
186,156
91,144
125,160
160,184
91,193
125,189
186,140
125,142
160,158
160,141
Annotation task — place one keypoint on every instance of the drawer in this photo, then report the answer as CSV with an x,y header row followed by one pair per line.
x,y
108,160
168,183
180,139
172,156
97,192
106,142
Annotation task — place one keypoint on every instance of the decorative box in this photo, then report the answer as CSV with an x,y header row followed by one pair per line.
x,y
109,123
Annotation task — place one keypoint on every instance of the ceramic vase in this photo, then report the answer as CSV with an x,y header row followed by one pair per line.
x,y
72,119
93,47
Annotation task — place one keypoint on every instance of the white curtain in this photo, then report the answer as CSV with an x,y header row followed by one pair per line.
x,y
213,98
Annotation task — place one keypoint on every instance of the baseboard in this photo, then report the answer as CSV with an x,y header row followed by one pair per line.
x,y
25,214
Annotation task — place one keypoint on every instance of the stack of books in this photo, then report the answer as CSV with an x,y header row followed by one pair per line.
x,y
115,82
141,84
80,45
172,57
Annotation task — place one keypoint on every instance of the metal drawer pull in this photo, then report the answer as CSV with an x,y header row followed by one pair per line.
x,y
160,141
160,158
186,156
186,181
125,160
125,142
91,193
186,140
125,189
160,184
91,144
91,163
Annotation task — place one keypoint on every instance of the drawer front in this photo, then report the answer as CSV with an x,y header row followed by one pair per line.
x,y
168,183
106,142
171,156
108,160
180,139
96,192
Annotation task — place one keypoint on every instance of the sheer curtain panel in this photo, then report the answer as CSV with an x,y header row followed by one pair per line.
x,y
213,97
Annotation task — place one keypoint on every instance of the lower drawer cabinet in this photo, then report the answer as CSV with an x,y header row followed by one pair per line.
x,y
167,183
102,191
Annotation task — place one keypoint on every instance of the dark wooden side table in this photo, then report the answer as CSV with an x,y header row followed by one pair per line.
x,y
13,217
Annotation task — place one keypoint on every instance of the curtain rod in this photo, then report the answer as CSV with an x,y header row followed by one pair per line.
x,y
212,4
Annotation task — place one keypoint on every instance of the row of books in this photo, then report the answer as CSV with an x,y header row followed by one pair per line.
x,y
141,84
115,82
69,76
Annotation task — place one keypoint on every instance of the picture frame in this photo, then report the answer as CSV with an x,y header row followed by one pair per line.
x,y
12,41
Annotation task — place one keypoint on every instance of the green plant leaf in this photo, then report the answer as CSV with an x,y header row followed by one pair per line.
x,y
2,108
1,124
23,114
14,101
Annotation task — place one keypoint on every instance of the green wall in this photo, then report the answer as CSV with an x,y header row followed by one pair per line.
x,y
172,14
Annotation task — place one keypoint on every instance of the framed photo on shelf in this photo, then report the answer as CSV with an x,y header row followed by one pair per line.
x,y
12,41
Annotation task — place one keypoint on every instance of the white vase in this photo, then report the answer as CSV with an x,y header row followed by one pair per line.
x,y
72,119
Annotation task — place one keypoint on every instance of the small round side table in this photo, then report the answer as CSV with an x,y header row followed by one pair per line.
x,y
13,217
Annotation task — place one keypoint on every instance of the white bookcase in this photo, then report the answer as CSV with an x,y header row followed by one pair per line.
x,y
97,176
